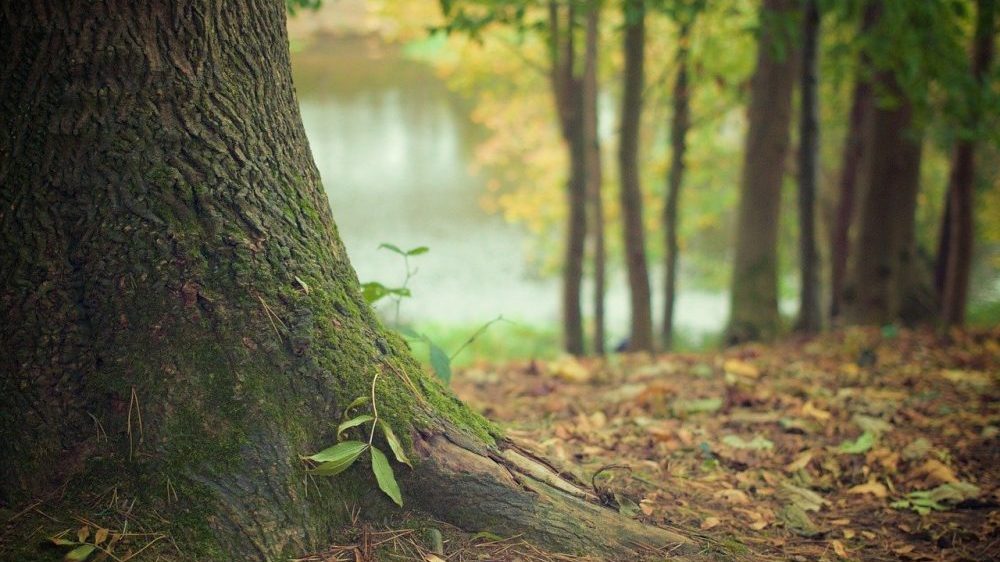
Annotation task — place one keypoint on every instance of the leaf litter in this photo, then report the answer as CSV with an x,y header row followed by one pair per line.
x,y
855,445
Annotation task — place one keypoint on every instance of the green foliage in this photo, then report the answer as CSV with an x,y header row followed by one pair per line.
x,y
293,6
340,457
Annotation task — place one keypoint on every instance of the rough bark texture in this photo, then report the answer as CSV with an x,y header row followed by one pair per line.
x,y
882,264
179,319
754,313
958,258
594,172
861,103
641,336
810,318
568,97
679,125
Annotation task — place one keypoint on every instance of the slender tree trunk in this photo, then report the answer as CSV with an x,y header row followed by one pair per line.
x,y
810,318
854,148
754,313
593,170
180,321
961,183
566,87
882,262
641,337
681,122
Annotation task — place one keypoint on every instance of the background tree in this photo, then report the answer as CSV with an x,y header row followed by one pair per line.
x,y
641,335
567,89
754,297
180,319
594,175
854,148
810,318
957,230
684,14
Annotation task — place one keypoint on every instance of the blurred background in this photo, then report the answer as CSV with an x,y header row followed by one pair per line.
x,y
442,130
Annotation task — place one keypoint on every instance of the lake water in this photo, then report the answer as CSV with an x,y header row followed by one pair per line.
x,y
394,148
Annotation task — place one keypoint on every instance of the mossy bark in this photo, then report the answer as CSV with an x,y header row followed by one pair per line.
x,y
179,319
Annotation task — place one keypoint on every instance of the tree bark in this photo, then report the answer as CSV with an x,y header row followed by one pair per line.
x,y
594,173
679,125
958,259
641,336
854,148
882,261
180,321
810,317
566,87
754,310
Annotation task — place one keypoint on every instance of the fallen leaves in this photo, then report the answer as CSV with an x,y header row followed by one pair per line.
x,y
814,451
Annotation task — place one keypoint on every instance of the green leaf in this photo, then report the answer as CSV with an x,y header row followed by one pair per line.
x,y
80,553
861,445
392,248
373,291
359,401
440,362
384,476
757,443
344,452
62,542
417,251
353,422
394,444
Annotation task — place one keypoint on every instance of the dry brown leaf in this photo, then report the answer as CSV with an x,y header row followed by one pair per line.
x,y
872,487
849,534
741,369
838,547
937,471
816,413
433,558
709,523
757,520
800,462
733,496
646,506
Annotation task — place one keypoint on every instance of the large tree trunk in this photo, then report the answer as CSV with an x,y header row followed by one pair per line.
x,y
849,170
882,263
810,319
679,125
641,336
754,313
593,170
566,89
957,257
850,167
179,319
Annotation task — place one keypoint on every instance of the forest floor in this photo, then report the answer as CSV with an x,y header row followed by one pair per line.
x,y
856,445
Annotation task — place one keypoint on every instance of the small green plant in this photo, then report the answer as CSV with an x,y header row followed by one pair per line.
x,y
441,360
338,458
374,291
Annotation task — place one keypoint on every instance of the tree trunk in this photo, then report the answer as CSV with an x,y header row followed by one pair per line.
x,y
882,261
566,88
854,148
754,313
958,259
641,337
593,170
681,122
180,321
810,319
